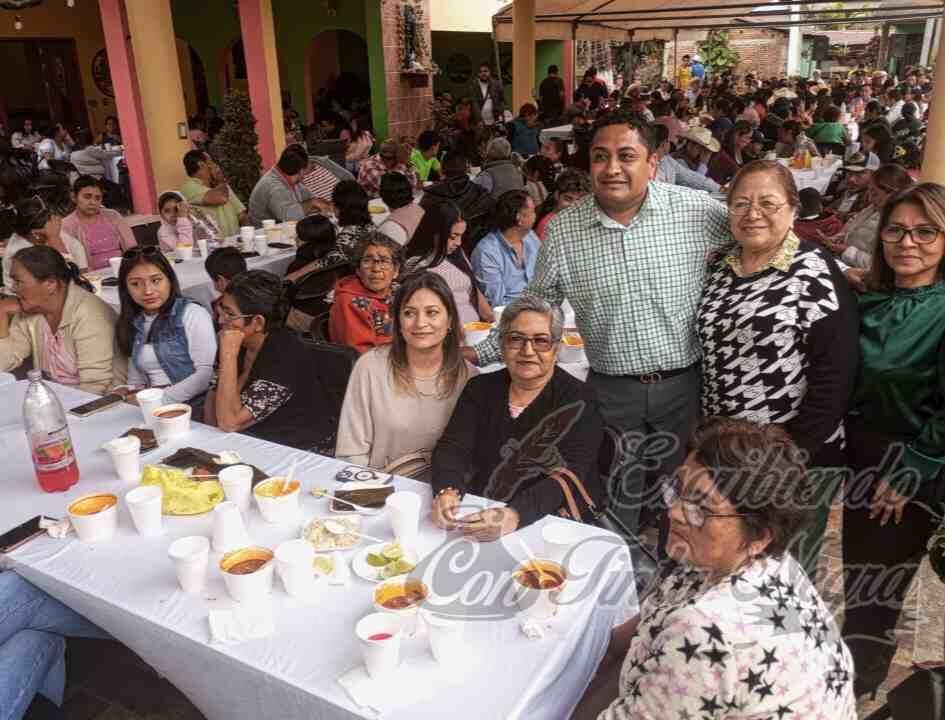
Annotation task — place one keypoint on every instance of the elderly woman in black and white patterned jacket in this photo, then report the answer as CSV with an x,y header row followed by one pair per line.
x,y
778,327
733,630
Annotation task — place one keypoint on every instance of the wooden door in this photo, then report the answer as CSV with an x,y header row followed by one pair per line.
x,y
59,68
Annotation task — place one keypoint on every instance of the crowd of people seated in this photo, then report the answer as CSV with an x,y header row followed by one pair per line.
x,y
788,341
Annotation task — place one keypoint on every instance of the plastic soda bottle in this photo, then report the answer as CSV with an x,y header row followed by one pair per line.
x,y
48,435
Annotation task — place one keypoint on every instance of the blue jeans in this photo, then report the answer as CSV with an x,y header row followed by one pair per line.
x,y
32,644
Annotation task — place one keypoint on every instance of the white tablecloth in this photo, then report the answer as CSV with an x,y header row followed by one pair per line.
x,y
128,587
197,285
818,178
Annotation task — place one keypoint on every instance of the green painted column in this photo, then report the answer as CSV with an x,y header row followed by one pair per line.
x,y
378,73
548,52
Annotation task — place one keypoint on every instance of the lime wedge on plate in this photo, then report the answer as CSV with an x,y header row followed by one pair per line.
x,y
393,551
376,560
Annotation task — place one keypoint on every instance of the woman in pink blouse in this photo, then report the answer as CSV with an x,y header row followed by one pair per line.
x,y
103,232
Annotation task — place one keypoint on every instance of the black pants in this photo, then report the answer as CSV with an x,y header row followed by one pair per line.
x,y
879,561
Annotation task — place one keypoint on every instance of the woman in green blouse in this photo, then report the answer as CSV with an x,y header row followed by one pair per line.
x,y
896,428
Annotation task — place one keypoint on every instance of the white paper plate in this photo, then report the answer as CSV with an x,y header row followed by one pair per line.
x,y
367,572
356,485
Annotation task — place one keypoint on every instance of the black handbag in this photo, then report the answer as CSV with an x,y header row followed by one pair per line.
x,y
921,696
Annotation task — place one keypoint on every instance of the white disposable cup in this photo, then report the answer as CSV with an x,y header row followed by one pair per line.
x,y
190,555
381,657
280,509
115,264
288,229
261,244
559,538
97,526
404,512
274,234
185,252
237,482
446,636
247,232
124,452
229,532
202,245
144,504
149,400
268,224
168,429
294,564
475,336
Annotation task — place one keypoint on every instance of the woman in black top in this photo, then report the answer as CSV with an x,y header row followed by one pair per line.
x,y
512,428
266,384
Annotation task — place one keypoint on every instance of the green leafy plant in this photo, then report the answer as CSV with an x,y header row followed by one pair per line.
x,y
235,147
717,53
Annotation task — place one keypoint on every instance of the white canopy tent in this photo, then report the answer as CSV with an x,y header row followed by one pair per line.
x,y
657,19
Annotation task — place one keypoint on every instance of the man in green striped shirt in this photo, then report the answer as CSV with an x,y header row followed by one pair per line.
x,y
632,259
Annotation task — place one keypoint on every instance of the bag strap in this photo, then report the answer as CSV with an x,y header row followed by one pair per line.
x,y
566,479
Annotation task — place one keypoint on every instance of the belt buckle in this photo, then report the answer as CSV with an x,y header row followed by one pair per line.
x,y
651,378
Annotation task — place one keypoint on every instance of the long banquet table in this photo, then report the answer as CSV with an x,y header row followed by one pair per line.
x,y
196,284
128,587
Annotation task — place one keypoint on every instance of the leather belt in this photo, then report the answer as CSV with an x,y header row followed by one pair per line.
x,y
657,377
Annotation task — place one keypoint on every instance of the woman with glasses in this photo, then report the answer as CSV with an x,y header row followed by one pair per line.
x,y
400,396
778,326
513,428
265,383
169,339
103,233
360,313
35,224
856,244
56,320
504,260
896,426
733,629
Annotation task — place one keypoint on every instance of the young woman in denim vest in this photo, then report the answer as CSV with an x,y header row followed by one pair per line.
x,y
169,338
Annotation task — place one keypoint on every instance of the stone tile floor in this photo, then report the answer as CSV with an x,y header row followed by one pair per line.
x,y
107,681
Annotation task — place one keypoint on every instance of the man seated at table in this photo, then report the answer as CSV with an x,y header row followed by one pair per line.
x,y
207,189
672,171
512,429
89,159
392,157
222,265
474,201
696,149
279,195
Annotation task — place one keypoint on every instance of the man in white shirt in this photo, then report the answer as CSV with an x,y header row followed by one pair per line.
x,y
488,97
894,103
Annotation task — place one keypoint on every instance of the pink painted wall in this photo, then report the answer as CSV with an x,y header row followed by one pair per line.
x,y
257,73
128,103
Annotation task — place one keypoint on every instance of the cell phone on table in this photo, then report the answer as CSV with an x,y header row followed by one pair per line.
x,y
20,535
97,405
353,473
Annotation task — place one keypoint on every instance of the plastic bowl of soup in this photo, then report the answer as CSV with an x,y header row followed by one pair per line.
x,y
476,332
247,573
171,422
278,499
571,349
539,583
401,597
94,517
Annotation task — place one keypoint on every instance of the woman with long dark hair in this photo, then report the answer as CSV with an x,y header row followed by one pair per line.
x,y
437,246
725,163
877,139
103,233
351,210
400,396
169,338
57,321
266,384
35,223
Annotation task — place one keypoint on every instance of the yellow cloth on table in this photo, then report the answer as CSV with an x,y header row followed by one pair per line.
x,y
183,496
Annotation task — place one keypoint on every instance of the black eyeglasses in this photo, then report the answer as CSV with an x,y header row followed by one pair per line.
x,y
921,234
541,343
143,251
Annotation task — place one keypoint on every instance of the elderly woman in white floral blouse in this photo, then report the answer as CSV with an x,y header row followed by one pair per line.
x,y
733,629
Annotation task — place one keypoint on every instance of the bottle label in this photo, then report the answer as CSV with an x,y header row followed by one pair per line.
x,y
53,450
